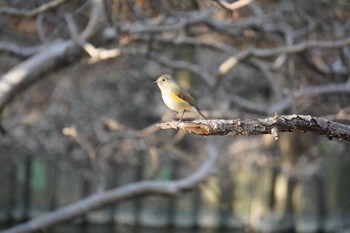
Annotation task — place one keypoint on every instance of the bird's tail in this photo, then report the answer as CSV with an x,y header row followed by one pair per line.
x,y
199,112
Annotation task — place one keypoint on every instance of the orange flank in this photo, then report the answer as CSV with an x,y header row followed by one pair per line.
x,y
182,100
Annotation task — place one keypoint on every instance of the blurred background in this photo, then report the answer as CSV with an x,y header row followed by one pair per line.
x,y
83,121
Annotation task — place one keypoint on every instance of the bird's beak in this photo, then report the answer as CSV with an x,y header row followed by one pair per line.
x,y
154,82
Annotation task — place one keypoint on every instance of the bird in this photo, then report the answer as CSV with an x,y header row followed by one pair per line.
x,y
175,97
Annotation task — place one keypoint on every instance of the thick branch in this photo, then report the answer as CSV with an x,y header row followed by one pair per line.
x,y
270,125
99,200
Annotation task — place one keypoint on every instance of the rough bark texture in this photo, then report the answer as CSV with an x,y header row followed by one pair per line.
x,y
269,125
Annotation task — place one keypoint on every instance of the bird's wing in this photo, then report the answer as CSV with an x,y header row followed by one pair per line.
x,y
187,97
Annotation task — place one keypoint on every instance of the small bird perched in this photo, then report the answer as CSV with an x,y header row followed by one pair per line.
x,y
176,98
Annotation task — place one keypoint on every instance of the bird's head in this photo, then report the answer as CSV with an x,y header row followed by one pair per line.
x,y
166,81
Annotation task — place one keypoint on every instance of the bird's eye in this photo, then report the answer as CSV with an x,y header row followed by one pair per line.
x,y
163,79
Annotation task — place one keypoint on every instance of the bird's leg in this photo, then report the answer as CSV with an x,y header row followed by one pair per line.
x,y
173,116
183,113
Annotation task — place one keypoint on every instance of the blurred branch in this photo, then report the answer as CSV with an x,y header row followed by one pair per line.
x,y
200,71
135,8
176,23
31,13
196,41
96,54
230,62
129,191
19,50
342,115
320,66
270,76
309,91
40,29
55,55
270,125
31,69
286,102
96,21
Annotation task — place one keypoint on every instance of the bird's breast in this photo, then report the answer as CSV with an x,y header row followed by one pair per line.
x,y
174,102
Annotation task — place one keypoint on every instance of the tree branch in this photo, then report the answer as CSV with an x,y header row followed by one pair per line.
x,y
102,199
270,125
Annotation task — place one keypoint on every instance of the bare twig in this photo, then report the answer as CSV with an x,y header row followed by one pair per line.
x,y
270,125
99,200
31,13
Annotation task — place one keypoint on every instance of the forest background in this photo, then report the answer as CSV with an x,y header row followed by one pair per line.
x,y
79,113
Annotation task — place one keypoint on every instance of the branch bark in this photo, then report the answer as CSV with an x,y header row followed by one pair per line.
x,y
102,199
269,125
